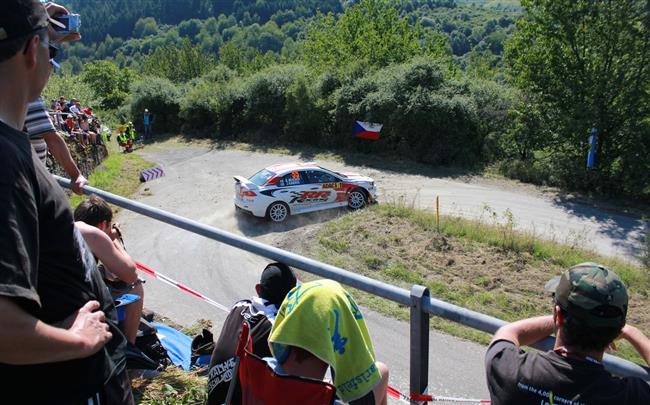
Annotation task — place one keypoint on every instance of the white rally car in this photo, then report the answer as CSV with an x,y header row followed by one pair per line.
x,y
288,189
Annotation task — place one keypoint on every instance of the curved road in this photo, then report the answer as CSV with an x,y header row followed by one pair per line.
x,y
198,184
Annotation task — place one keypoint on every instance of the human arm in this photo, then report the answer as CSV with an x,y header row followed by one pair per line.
x,y
27,340
60,151
526,331
638,340
110,252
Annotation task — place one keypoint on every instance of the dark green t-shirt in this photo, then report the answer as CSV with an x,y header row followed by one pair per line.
x,y
46,267
516,377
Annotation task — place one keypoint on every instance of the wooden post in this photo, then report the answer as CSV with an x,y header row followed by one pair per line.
x,y
438,213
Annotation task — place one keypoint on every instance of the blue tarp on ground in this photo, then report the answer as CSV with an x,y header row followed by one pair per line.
x,y
178,345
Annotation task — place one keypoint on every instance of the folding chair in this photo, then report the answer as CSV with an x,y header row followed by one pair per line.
x,y
260,385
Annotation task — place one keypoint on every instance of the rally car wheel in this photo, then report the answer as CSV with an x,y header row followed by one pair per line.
x,y
277,212
357,199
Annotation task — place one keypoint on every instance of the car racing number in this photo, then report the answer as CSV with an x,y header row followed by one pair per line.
x,y
301,197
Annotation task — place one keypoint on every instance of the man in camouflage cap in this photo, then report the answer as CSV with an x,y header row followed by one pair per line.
x,y
589,312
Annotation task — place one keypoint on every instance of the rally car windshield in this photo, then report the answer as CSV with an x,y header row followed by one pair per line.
x,y
261,177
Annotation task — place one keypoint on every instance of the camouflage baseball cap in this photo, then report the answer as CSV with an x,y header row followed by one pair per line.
x,y
592,293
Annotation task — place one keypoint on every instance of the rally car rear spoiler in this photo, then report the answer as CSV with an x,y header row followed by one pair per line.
x,y
245,182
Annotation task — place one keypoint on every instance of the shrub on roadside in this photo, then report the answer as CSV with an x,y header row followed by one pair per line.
x,y
161,97
266,97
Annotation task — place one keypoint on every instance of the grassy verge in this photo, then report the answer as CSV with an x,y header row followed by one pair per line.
x,y
484,266
118,174
173,386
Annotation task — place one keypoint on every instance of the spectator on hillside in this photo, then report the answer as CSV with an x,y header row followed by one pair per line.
x,y
276,281
59,322
590,307
43,136
82,137
85,128
95,221
65,107
147,120
74,107
338,339
124,139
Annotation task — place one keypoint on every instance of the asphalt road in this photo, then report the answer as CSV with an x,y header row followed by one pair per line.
x,y
198,185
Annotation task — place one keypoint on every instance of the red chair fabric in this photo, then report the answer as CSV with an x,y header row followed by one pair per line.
x,y
260,385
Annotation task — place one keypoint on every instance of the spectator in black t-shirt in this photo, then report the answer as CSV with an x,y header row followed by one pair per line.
x,y
589,313
59,328
276,281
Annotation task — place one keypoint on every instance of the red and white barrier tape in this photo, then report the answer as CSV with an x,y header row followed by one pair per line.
x,y
432,398
180,286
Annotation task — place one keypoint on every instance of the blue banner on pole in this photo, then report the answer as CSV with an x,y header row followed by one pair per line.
x,y
593,143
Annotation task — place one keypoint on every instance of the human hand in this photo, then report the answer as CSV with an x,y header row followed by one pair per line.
x,y
625,334
55,10
91,328
114,233
78,184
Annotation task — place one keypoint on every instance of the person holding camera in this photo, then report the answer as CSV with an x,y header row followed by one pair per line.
x,y
95,222
38,124
59,323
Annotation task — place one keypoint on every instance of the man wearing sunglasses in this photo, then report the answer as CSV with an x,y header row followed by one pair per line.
x,y
38,124
59,329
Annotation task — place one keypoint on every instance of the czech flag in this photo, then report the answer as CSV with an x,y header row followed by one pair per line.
x,y
367,130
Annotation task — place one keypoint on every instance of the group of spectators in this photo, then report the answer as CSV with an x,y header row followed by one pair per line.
x,y
60,327
76,121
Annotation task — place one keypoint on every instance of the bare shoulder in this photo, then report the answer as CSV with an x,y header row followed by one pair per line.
x,y
91,233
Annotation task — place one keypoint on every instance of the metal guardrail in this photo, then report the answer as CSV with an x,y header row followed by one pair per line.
x,y
418,299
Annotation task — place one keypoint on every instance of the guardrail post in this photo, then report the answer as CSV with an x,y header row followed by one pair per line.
x,y
419,356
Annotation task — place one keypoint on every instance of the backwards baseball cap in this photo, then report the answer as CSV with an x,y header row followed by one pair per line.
x,y
276,282
591,293
21,17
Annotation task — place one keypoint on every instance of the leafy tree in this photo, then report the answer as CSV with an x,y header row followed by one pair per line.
x,y
178,64
161,97
145,27
587,62
370,34
109,83
244,59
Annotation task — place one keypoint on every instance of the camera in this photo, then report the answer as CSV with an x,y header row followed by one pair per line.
x,y
69,23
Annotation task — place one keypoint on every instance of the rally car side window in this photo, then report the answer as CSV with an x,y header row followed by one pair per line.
x,y
294,178
317,176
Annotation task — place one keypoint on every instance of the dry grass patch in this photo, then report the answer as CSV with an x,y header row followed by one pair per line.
x,y
173,386
487,268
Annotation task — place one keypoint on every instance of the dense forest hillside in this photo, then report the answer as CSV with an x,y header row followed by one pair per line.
x,y
477,83
126,31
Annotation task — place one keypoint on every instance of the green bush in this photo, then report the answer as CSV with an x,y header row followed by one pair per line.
x,y
305,119
266,96
70,86
197,109
425,115
161,97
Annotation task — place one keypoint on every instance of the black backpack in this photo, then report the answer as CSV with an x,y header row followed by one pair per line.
x,y
149,353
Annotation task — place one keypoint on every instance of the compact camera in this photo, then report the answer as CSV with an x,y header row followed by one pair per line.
x,y
70,23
